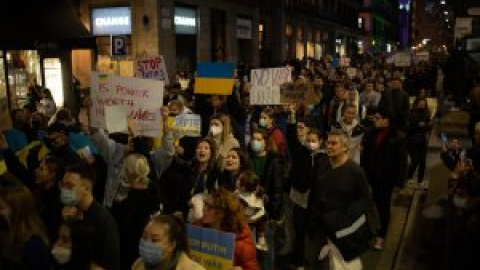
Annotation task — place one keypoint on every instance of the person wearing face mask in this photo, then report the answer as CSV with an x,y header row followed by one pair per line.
x,y
73,249
307,162
23,237
164,246
464,223
79,203
221,133
267,122
417,140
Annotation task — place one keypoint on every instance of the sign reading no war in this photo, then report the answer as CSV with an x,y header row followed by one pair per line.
x,y
141,98
265,85
211,248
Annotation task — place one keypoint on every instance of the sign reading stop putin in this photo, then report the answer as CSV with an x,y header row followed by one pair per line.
x,y
152,67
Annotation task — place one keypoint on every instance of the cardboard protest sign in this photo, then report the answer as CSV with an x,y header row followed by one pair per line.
x,y
116,119
402,59
189,125
303,93
214,78
152,67
265,85
422,56
212,249
142,98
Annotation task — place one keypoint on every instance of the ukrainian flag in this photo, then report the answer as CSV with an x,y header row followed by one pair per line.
x,y
214,78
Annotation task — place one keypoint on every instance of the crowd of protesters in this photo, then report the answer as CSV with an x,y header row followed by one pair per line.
x,y
294,183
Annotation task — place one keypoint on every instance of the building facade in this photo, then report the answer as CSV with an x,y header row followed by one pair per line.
x,y
298,29
379,22
185,32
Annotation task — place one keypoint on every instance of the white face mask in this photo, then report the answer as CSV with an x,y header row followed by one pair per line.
x,y
460,202
216,130
62,255
313,146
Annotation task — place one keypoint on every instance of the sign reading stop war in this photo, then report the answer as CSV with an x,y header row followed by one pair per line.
x,y
265,85
141,98
298,93
151,68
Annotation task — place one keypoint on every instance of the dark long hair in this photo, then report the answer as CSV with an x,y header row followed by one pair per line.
x,y
211,162
82,238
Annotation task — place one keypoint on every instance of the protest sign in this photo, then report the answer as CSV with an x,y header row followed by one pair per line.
x,y
422,56
212,249
142,98
214,78
152,67
265,85
125,68
116,119
298,93
402,59
189,125
106,65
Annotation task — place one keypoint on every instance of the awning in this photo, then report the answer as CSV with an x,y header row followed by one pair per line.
x,y
42,25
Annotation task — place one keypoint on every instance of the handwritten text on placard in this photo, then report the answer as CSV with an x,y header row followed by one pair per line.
x,y
151,68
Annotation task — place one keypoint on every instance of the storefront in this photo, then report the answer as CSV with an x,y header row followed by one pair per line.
x,y
185,23
36,48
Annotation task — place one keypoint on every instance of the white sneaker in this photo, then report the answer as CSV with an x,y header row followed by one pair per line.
x,y
262,244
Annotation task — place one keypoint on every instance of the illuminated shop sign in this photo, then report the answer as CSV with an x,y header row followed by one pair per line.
x,y
111,21
185,21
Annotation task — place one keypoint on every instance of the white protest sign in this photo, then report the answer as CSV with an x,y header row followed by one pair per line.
x,y
422,56
187,124
402,59
265,85
116,119
152,67
142,98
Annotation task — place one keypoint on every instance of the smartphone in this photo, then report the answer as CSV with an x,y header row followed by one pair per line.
x,y
444,139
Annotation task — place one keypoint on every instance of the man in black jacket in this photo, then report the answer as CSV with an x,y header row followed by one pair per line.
x,y
76,195
338,231
384,160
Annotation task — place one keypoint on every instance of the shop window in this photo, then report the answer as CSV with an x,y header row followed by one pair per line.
x,y
360,23
53,79
23,70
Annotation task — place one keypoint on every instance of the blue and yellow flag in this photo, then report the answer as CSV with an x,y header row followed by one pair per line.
x,y
214,78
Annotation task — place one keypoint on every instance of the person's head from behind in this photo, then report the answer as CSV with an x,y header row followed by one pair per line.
x,y
49,172
218,101
337,144
77,185
19,118
19,217
136,168
75,244
395,83
349,113
140,144
248,181
223,211
236,161
164,238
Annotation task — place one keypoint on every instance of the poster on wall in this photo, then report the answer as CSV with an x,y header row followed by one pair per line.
x,y
152,67
265,85
142,98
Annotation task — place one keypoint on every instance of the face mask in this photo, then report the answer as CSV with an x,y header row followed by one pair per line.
x,y
216,130
68,197
62,255
262,123
257,146
460,202
313,146
150,253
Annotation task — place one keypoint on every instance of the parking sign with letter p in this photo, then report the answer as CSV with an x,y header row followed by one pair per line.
x,y
119,45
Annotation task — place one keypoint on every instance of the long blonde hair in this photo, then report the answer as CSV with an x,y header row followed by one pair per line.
x,y
135,168
227,126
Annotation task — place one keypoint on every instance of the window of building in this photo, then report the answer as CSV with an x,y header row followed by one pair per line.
x,y
360,22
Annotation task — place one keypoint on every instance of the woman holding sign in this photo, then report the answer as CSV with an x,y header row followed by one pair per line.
x,y
223,212
164,246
